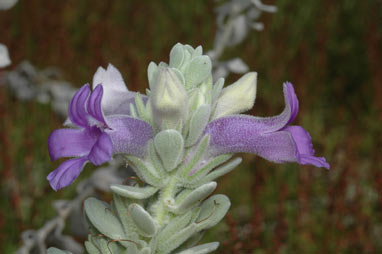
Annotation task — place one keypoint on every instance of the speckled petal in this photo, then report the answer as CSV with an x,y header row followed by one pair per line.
x,y
94,105
77,107
275,123
102,150
72,142
236,135
66,173
129,135
305,151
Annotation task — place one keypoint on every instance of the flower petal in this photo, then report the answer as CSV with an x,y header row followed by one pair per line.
x,y
77,107
116,98
102,150
72,142
275,123
66,173
305,151
239,134
129,135
94,105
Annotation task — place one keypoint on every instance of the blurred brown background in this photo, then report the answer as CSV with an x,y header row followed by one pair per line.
x,y
330,51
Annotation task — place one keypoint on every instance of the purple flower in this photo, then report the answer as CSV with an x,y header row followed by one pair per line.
x,y
269,137
96,137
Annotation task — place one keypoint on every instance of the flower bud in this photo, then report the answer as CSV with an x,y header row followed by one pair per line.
x,y
238,97
169,100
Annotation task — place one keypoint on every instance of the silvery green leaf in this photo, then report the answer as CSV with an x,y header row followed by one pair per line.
x,y
141,109
101,217
197,71
201,249
186,61
179,75
197,124
162,64
197,52
149,114
146,171
201,177
101,243
217,88
121,205
195,196
132,249
150,73
196,156
91,248
133,112
143,220
146,250
205,169
53,250
222,170
133,192
176,56
177,239
169,145
154,158
175,225
212,211
189,48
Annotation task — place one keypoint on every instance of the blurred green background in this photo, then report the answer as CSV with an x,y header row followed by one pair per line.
x,y
331,52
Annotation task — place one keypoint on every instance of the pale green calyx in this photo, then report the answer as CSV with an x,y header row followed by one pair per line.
x,y
169,99
238,97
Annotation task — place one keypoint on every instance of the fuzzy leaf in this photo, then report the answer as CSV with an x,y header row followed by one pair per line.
x,y
91,248
141,109
151,73
212,211
146,250
198,123
101,217
217,89
201,249
176,240
176,56
199,152
195,196
222,170
169,145
200,176
133,192
197,52
143,220
175,225
197,71
145,171
121,205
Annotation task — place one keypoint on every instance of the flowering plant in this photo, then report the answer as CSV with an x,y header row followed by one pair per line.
x,y
178,138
